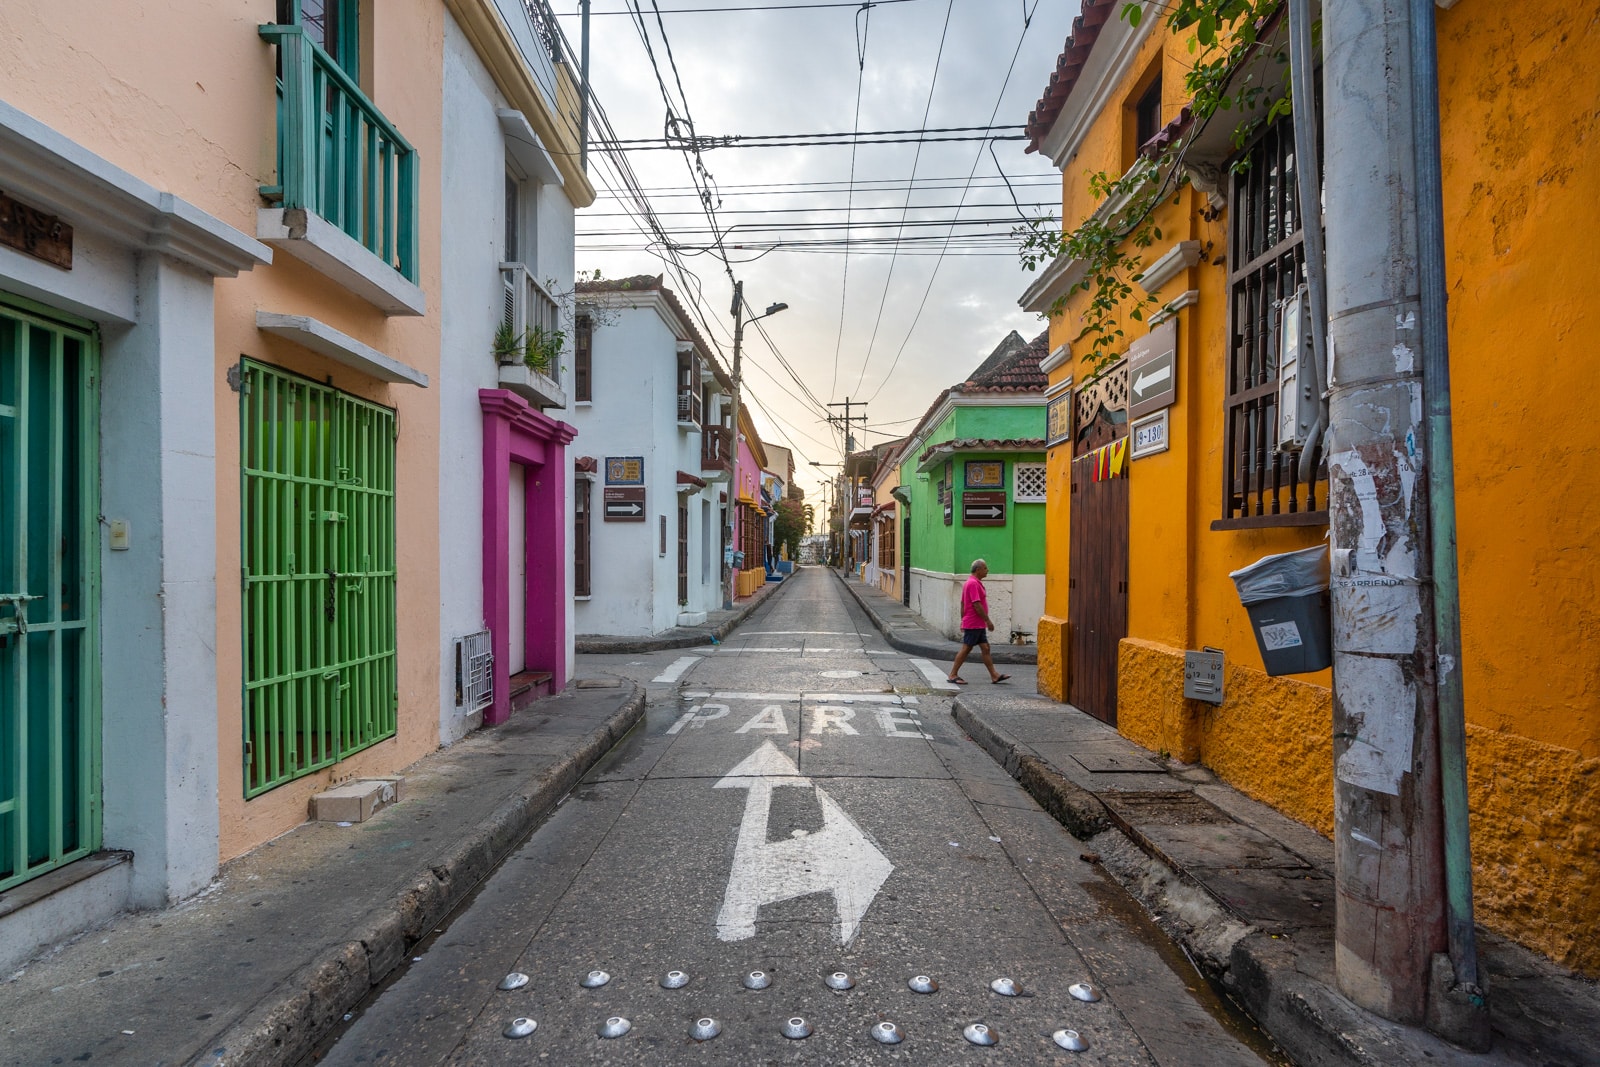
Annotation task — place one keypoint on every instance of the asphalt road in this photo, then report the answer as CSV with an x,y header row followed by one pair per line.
x,y
798,802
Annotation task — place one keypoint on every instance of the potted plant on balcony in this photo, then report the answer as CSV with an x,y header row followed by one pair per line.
x,y
541,348
507,346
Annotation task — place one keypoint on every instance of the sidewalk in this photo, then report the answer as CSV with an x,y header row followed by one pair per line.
x,y
293,935
1249,895
717,625
909,632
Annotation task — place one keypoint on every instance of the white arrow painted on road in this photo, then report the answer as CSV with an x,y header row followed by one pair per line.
x,y
838,859
1155,377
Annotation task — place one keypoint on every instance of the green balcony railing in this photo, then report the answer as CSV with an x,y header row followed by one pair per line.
x,y
338,156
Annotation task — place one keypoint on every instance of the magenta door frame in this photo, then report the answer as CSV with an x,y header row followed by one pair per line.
x,y
514,432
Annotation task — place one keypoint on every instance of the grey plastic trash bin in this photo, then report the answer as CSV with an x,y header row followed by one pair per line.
x,y
1286,596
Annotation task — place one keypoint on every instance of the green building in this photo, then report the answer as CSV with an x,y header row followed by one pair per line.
x,y
972,486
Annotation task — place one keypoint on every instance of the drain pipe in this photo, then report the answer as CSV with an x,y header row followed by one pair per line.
x,y
1308,173
1442,500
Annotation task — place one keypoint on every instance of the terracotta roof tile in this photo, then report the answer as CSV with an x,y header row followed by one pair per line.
x,y
1085,31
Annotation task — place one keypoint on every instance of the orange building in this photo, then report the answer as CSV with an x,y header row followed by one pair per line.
x,y
1186,414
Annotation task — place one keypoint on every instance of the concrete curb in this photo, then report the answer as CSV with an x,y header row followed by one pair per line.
x,y
1073,806
936,650
601,644
286,1024
1266,974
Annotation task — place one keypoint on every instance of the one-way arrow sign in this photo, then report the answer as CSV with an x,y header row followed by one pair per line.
x,y
838,859
983,509
1153,371
624,505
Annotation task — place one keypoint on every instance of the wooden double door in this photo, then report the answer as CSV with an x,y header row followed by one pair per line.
x,y
1097,589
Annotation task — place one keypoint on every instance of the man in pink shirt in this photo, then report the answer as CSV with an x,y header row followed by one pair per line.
x,y
975,625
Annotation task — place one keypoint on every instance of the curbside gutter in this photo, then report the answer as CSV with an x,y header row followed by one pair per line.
x,y
1284,980
307,1006
934,646
679,636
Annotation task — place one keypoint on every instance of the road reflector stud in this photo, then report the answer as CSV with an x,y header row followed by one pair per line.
x,y
1084,991
795,1028
757,980
1006,987
840,980
980,1034
615,1026
1070,1040
514,980
923,984
705,1029
887,1033
520,1027
595,979
674,980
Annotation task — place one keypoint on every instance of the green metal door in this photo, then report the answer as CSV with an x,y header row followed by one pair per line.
x,y
318,522
49,578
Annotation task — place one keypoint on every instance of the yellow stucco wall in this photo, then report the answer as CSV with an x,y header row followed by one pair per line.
x,y
1519,126
181,94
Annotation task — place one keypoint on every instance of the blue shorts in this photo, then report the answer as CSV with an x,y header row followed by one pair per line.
x,y
978,636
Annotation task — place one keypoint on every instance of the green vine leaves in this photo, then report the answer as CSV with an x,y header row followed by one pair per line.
x,y
1108,248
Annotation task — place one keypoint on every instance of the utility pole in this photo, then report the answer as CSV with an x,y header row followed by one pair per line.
x,y
733,449
847,420
1394,610
583,105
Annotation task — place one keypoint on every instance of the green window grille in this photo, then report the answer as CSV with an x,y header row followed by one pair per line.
x,y
318,519
49,594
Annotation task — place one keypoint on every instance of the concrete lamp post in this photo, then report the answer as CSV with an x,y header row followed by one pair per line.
x,y
733,452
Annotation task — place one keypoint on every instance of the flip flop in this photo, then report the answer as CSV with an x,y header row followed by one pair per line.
x,y
1002,678
956,681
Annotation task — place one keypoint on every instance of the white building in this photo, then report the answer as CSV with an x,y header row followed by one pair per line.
x,y
653,478
512,180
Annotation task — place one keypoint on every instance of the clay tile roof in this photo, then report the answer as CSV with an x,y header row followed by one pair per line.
x,y
1085,31
983,444
653,283
1013,367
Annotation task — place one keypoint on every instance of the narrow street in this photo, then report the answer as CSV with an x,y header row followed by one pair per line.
x,y
798,802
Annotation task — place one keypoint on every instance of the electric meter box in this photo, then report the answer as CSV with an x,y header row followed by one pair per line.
x,y
1297,380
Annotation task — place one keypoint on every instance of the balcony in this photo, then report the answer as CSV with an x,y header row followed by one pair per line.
x,y
689,410
716,449
533,316
347,196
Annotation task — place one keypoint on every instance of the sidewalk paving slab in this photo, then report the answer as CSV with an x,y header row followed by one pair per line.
x,y
265,962
718,625
909,632
1249,893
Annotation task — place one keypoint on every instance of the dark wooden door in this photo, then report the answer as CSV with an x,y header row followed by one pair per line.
x,y
683,551
1097,589
905,561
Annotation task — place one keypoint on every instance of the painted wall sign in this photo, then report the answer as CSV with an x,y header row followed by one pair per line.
x,y
837,859
33,233
985,474
1058,419
1149,435
1153,370
624,505
983,509
624,470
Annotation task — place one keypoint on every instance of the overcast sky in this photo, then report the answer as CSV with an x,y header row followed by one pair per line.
x,y
794,70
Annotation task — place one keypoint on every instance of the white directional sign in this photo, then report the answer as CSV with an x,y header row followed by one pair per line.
x,y
838,859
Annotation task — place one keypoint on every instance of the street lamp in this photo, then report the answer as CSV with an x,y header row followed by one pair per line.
x,y
733,457
829,511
